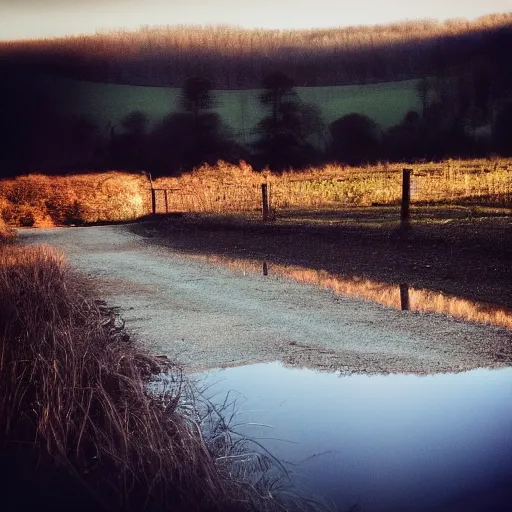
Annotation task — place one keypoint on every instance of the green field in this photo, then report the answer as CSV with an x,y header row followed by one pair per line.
x,y
385,103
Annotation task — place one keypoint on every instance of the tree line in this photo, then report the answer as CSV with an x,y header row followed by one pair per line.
x,y
461,115
239,58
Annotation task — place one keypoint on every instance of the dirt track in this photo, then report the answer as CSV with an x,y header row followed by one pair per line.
x,y
207,316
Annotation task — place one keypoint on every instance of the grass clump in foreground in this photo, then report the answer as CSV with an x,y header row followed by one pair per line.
x,y
79,429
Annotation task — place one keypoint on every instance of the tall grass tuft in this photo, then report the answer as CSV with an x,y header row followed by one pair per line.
x,y
5,232
79,429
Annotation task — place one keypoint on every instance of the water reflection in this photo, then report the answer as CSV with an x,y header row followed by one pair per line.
x,y
404,297
398,443
401,297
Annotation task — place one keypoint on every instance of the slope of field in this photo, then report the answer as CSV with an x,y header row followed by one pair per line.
x,y
385,103
102,103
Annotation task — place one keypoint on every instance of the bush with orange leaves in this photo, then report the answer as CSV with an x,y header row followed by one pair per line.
x,y
42,201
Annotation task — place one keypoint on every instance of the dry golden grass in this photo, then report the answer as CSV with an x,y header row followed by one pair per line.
x,y
5,232
81,388
79,429
41,201
229,188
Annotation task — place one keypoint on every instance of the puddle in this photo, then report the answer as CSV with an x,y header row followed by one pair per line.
x,y
398,443
401,297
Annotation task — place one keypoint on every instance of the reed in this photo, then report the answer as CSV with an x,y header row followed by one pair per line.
x,y
79,427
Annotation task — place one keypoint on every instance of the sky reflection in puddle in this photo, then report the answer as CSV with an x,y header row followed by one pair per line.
x,y
387,443
400,297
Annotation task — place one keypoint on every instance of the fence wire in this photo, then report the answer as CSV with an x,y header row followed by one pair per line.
x,y
430,184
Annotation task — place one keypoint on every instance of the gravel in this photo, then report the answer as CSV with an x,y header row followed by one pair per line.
x,y
206,316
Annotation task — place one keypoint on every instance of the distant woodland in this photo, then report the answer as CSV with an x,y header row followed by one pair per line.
x,y
235,58
464,92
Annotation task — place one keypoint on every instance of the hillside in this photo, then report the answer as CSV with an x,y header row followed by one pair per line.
x,y
235,58
108,104
284,99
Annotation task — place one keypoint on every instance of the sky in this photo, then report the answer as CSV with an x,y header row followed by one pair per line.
x,y
21,19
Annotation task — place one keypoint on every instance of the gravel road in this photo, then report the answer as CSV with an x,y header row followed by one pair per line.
x,y
207,316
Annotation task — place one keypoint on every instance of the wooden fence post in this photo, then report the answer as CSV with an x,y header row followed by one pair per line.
x,y
264,201
166,201
153,200
406,197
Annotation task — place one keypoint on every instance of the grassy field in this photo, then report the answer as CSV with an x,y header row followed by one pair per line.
x,y
386,103
227,188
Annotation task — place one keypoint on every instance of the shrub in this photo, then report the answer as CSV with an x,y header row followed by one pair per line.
x,y
355,139
43,201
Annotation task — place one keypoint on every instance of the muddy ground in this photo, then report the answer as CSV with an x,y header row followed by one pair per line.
x,y
461,251
205,315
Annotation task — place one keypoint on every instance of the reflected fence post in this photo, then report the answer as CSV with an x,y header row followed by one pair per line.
x,y
404,297
264,201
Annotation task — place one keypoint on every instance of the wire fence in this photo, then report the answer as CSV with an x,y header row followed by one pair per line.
x,y
225,198
38,200
450,184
